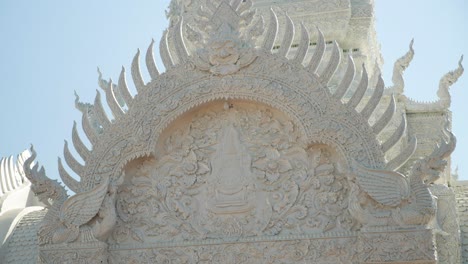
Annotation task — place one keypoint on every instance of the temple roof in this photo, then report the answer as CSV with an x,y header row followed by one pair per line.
x,y
12,176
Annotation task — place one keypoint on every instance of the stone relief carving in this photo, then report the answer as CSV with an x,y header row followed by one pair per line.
x,y
274,162
179,89
98,254
446,225
294,251
407,246
233,172
60,227
318,6
92,114
399,247
226,49
49,192
396,199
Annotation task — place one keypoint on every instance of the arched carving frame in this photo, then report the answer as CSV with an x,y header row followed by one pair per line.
x,y
309,105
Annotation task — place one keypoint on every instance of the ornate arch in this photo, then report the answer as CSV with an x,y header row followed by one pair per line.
x,y
227,65
311,106
328,188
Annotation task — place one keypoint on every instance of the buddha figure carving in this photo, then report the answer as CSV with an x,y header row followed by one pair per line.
x,y
231,174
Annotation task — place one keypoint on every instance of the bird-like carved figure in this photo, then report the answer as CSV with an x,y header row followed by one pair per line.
x,y
65,214
396,199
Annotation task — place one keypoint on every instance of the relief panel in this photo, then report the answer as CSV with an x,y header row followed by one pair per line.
x,y
228,171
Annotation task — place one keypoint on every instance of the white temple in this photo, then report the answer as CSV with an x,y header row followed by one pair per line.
x,y
269,138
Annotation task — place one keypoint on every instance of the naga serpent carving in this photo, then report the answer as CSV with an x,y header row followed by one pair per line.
x,y
66,215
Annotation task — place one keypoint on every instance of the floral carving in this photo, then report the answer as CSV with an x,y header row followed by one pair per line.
x,y
394,246
272,165
188,169
269,165
96,253
234,171
264,178
366,248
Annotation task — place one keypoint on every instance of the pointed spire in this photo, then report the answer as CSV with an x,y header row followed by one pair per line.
x,y
399,68
447,81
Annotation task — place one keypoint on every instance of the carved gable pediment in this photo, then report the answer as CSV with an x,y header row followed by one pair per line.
x,y
244,150
232,171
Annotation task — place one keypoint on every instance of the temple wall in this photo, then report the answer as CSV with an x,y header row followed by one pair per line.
x,y
446,225
461,192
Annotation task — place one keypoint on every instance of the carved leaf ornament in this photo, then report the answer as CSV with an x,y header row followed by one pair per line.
x,y
237,139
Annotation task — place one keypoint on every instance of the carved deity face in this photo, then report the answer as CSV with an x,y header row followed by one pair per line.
x,y
224,53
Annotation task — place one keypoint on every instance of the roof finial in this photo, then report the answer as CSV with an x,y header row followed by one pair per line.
x,y
399,68
447,81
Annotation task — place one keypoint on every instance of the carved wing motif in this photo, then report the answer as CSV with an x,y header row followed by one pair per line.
x,y
386,187
82,207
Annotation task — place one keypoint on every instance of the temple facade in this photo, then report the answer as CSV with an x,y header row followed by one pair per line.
x,y
270,137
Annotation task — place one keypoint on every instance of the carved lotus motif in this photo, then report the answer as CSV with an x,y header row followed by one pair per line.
x,y
273,165
189,168
234,172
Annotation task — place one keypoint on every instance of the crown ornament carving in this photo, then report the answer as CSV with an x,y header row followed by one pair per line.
x,y
225,36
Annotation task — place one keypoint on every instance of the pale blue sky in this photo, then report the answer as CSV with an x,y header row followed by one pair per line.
x,y
50,48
